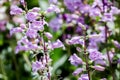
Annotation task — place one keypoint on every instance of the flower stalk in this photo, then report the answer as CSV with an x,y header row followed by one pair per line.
x,y
85,55
106,42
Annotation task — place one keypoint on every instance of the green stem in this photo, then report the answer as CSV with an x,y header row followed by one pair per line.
x,y
2,69
106,42
85,55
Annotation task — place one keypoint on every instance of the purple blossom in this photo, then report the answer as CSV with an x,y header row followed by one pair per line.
x,y
15,10
92,44
95,55
24,45
98,68
23,26
32,46
37,25
103,79
36,9
57,44
114,10
31,33
97,3
2,25
53,1
67,17
79,30
19,48
75,40
77,71
37,66
72,4
22,1
94,12
69,4
107,17
53,8
116,44
100,62
75,60
48,35
24,40
31,16
55,24
85,9
16,30
97,37
84,77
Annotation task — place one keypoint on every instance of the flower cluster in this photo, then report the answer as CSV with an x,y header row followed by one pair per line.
x,y
86,27
34,37
101,12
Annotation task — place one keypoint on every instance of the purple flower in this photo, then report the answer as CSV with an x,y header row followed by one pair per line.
x,y
53,1
77,71
75,60
53,8
24,40
107,17
116,44
94,12
97,38
98,68
57,44
15,10
114,10
32,46
84,77
23,26
37,25
48,35
75,40
36,9
95,55
98,3
55,24
37,66
92,44
84,9
22,1
16,30
103,79
69,4
2,25
31,33
72,4
31,16
100,62
24,45
19,48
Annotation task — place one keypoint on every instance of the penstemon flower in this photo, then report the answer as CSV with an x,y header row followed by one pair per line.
x,y
33,39
84,77
99,68
86,29
75,60
95,55
77,71
15,10
102,12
